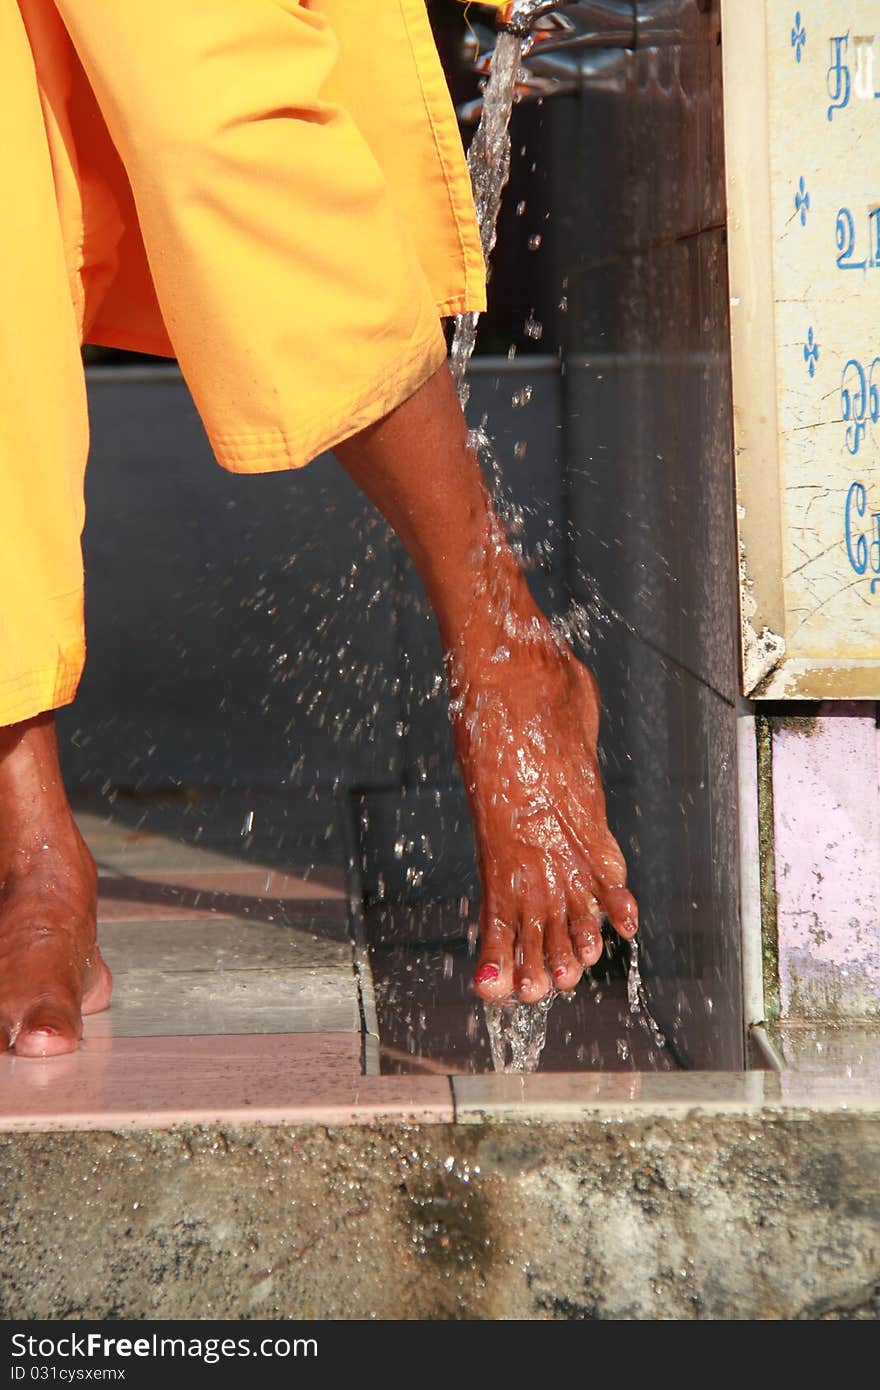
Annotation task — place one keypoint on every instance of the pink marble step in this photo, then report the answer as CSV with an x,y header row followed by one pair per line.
x,y
149,1083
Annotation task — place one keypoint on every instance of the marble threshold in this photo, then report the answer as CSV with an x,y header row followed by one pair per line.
x,y
239,1000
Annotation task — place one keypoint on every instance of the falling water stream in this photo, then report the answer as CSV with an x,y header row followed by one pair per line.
x,y
489,164
517,1031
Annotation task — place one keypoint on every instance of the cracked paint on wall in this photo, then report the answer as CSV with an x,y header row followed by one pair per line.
x,y
805,308
826,281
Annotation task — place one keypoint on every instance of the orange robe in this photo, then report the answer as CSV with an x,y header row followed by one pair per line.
x,y
272,191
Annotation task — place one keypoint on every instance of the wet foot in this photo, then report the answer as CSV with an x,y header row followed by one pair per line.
x,y
526,719
51,971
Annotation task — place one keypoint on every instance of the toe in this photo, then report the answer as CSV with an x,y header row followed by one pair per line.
x,y
47,1032
609,876
493,977
44,1042
532,980
586,936
564,967
585,923
622,912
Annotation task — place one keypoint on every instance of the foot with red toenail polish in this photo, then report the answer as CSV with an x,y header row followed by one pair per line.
x,y
526,720
487,972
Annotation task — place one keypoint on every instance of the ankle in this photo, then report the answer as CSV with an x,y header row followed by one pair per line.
x,y
34,809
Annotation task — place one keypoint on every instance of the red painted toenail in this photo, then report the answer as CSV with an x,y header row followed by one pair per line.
x,y
50,1032
559,972
486,973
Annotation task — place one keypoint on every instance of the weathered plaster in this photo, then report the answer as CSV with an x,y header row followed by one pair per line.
x,y
761,651
826,820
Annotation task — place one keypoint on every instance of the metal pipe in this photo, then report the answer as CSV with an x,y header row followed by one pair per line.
x,y
520,17
566,46
550,24
555,74
626,22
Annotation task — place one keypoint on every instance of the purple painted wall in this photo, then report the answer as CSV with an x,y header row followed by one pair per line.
x,y
826,809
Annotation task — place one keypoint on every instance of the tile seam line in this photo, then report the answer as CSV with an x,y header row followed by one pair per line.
x,y
354,898
681,666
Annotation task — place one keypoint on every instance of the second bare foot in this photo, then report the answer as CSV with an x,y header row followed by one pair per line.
x,y
51,971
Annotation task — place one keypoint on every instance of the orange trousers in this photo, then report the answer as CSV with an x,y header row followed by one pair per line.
x,y
272,191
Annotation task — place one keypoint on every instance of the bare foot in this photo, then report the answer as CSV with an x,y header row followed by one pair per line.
x,y
51,971
525,713
526,720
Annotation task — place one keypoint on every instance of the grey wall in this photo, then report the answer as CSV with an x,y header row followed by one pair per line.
x,y
638,195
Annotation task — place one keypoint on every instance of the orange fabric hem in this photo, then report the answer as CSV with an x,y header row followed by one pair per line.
x,y
46,688
126,341
473,302
274,451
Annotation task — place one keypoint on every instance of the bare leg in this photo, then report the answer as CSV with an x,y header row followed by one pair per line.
x,y
51,971
525,712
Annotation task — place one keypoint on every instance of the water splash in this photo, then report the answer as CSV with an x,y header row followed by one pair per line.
x,y
517,1032
637,997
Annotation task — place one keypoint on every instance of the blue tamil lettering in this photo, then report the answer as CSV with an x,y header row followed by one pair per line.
x,y
874,549
856,501
838,76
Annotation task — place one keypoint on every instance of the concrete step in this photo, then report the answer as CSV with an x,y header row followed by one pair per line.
x,y
217,1148
688,1196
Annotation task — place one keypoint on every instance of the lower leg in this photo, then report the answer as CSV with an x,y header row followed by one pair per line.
x,y
525,712
51,971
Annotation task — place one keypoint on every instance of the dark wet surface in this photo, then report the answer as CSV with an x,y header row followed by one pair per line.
x,y
431,1020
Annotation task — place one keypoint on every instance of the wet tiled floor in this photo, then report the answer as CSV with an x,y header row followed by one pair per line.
x,y
239,992
224,921
205,939
240,996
